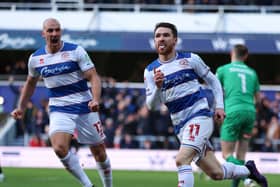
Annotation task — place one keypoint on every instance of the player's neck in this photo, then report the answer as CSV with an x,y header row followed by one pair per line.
x,y
167,58
54,48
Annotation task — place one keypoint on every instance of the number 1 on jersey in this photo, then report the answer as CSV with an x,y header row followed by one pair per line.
x,y
243,82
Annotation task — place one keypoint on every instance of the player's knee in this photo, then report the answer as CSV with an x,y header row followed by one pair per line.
x,y
181,160
60,150
99,152
216,174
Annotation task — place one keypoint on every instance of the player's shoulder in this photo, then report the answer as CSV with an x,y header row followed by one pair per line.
x,y
188,55
38,52
67,46
224,67
254,72
184,55
154,64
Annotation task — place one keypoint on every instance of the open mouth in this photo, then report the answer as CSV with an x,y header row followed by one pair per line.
x,y
161,46
54,40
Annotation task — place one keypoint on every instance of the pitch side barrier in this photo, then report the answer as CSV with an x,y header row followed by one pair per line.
x,y
152,160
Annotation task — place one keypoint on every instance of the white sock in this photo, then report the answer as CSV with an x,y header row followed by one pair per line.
x,y
105,172
71,163
232,171
185,176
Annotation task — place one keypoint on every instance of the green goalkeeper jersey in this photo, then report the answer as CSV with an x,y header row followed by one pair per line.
x,y
240,83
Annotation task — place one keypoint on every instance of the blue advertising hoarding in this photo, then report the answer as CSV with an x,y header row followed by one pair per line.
x,y
143,42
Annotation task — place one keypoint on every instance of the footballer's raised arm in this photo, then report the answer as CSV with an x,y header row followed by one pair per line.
x,y
152,91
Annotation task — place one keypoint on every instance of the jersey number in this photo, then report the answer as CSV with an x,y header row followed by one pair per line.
x,y
194,131
98,128
242,76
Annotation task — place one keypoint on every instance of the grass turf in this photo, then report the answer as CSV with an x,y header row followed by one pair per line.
x,y
31,177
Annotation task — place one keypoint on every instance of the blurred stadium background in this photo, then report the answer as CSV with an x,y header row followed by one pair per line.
x,y
118,35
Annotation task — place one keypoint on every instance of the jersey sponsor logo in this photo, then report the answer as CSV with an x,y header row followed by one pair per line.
x,y
46,71
179,77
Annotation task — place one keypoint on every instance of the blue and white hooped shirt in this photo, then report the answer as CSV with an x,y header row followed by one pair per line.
x,y
181,91
62,75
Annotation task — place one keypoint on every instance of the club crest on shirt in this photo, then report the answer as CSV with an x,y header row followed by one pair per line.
x,y
41,61
183,62
65,55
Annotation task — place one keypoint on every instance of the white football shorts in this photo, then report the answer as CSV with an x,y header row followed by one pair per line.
x,y
89,127
196,134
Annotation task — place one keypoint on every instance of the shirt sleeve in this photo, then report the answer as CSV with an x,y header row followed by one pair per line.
x,y
199,66
153,101
219,74
84,60
31,70
216,88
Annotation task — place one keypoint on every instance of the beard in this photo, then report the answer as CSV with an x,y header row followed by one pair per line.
x,y
165,51
55,40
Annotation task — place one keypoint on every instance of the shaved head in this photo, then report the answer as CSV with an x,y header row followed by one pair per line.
x,y
50,21
52,34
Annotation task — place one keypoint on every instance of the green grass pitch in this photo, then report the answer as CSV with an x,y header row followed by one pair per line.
x,y
29,177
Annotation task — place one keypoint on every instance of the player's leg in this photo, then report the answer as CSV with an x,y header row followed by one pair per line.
x,y
230,133
61,130
90,132
241,150
211,166
243,143
192,139
227,152
103,164
183,163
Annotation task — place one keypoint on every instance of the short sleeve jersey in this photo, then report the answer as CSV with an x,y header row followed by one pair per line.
x,y
240,83
181,91
62,74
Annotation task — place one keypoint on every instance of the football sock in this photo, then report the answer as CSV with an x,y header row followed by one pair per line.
x,y
185,176
232,159
71,163
232,171
105,172
235,182
0,169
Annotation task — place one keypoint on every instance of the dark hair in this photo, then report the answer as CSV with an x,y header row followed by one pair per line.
x,y
167,25
240,51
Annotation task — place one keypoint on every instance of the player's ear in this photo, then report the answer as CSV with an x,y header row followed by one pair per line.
x,y
245,58
43,34
175,41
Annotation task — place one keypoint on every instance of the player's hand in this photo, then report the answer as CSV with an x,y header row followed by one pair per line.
x,y
158,78
17,113
93,105
219,115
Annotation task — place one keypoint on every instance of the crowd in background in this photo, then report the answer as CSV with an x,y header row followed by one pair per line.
x,y
129,124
